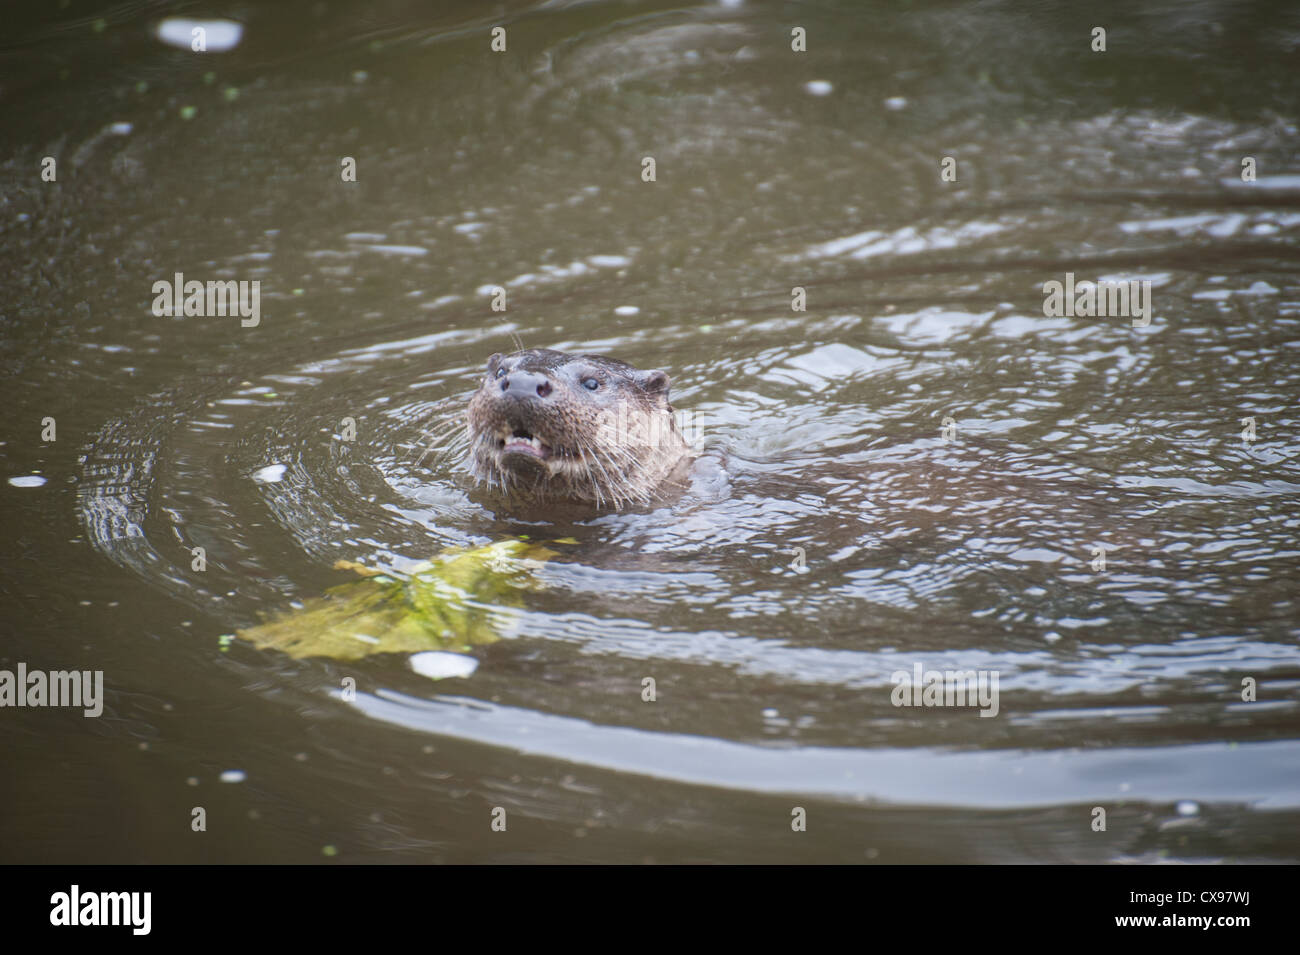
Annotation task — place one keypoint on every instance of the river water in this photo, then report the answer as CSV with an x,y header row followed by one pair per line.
x,y
921,469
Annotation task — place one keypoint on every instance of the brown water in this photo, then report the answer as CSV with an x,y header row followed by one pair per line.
x,y
970,549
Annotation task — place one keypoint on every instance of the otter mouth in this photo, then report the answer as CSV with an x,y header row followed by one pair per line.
x,y
520,441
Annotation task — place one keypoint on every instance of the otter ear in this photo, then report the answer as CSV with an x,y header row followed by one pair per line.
x,y
653,382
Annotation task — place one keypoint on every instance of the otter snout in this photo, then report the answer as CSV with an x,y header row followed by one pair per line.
x,y
524,385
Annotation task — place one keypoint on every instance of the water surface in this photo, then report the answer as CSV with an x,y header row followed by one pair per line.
x,y
918,469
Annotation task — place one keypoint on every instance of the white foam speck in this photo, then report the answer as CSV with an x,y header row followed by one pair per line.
x,y
818,88
218,35
27,480
437,665
397,249
1264,182
271,474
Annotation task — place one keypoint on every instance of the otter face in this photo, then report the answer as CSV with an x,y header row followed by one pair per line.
x,y
548,424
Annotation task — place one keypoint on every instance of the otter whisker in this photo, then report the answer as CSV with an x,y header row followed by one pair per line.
x,y
449,438
595,457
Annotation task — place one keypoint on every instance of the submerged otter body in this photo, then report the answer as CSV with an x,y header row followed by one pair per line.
x,y
547,425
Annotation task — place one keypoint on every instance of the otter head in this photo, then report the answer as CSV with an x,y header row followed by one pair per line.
x,y
546,424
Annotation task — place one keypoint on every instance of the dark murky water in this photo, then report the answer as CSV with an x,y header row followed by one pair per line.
x,y
967,548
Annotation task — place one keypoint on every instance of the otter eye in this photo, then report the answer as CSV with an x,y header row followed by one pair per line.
x,y
591,384
500,373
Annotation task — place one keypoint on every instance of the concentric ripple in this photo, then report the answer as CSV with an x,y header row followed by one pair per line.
x,y
263,472
816,574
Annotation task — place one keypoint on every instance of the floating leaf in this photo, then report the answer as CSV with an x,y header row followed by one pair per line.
x,y
451,603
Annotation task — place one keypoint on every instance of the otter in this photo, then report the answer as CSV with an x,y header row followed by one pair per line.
x,y
546,425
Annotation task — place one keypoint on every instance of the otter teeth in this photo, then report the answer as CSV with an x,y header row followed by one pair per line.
x,y
524,443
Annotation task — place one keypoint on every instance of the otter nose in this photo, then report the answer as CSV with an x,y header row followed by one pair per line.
x,y
525,384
